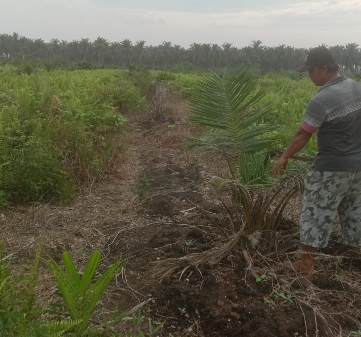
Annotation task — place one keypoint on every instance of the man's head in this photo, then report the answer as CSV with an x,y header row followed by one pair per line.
x,y
321,66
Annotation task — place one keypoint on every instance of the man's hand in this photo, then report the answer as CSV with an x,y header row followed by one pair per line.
x,y
299,140
279,166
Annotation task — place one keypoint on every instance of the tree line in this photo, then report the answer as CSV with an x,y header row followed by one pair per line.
x,y
199,56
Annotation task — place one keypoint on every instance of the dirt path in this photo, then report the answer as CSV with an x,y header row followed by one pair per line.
x,y
144,210
153,170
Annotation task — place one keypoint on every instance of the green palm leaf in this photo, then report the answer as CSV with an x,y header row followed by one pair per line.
x,y
69,265
89,272
67,289
228,104
81,294
254,170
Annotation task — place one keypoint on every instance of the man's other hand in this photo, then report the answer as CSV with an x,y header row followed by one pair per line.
x,y
279,166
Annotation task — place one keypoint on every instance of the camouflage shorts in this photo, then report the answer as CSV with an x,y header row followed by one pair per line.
x,y
325,194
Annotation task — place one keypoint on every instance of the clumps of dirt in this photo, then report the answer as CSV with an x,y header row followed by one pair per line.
x,y
347,258
226,300
170,188
160,205
225,304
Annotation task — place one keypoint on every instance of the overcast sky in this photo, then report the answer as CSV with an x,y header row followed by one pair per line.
x,y
296,23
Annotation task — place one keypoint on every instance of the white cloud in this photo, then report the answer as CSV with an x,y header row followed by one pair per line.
x,y
301,24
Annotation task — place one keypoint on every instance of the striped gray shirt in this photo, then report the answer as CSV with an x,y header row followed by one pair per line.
x,y
336,112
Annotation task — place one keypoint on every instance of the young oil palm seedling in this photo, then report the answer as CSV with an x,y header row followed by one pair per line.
x,y
21,315
229,106
81,293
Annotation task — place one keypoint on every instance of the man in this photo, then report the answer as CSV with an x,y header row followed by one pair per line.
x,y
334,182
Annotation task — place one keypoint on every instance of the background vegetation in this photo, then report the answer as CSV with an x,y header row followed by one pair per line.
x,y
86,54
59,131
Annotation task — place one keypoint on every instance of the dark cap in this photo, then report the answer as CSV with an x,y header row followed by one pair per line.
x,y
318,56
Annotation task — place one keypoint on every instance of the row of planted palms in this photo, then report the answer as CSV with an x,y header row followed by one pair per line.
x,y
57,129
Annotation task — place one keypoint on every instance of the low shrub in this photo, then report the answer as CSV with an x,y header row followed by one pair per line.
x,y
58,129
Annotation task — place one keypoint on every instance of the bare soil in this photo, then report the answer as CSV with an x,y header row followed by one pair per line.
x,y
145,210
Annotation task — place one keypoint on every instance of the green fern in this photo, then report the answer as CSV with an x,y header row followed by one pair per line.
x,y
56,329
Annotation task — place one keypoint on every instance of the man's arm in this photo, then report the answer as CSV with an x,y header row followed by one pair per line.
x,y
298,142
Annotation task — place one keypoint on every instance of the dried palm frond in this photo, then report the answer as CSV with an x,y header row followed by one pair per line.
x,y
262,211
261,208
213,256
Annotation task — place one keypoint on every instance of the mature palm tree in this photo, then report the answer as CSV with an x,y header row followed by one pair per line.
x,y
179,54
24,47
54,47
115,54
352,57
339,52
149,56
40,48
166,53
139,50
195,52
101,48
5,45
257,51
15,45
85,47
216,56
127,51
226,52
206,54
73,51
63,47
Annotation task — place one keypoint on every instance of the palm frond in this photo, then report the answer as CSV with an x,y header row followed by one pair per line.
x,y
262,208
218,98
254,170
232,144
229,104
